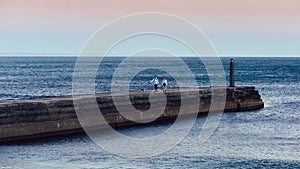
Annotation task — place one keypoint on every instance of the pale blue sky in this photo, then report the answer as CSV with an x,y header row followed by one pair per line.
x,y
248,28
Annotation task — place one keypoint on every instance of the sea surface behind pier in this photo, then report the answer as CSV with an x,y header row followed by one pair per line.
x,y
269,137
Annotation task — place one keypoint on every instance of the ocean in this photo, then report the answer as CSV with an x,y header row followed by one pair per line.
x,y
265,138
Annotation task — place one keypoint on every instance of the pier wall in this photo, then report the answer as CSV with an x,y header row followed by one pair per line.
x,y
55,116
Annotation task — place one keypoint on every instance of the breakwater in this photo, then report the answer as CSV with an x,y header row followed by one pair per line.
x,y
53,117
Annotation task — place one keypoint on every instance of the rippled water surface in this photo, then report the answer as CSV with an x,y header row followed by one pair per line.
x,y
269,137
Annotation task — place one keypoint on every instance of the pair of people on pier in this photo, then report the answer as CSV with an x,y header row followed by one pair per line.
x,y
155,81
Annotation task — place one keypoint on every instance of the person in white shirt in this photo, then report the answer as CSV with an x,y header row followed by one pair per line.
x,y
156,81
165,83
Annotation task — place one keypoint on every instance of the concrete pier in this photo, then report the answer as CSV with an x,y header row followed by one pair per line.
x,y
54,117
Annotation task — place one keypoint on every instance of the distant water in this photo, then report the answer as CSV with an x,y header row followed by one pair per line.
x,y
266,138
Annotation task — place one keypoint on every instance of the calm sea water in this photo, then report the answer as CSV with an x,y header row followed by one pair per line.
x,y
265,138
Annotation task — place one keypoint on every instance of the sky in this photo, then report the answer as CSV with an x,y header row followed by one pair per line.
x,y
234,27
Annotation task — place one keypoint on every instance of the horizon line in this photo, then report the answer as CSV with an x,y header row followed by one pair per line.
x,y
67,55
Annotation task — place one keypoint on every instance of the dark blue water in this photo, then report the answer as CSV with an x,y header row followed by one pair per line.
x,y
266,138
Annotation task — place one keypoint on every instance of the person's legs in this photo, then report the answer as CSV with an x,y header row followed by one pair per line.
x,y
165,87
155,87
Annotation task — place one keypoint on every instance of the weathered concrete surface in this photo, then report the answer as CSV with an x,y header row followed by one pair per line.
x,y
52,117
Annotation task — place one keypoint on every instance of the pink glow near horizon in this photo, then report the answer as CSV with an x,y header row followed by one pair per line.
x,y
235,12
216,17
